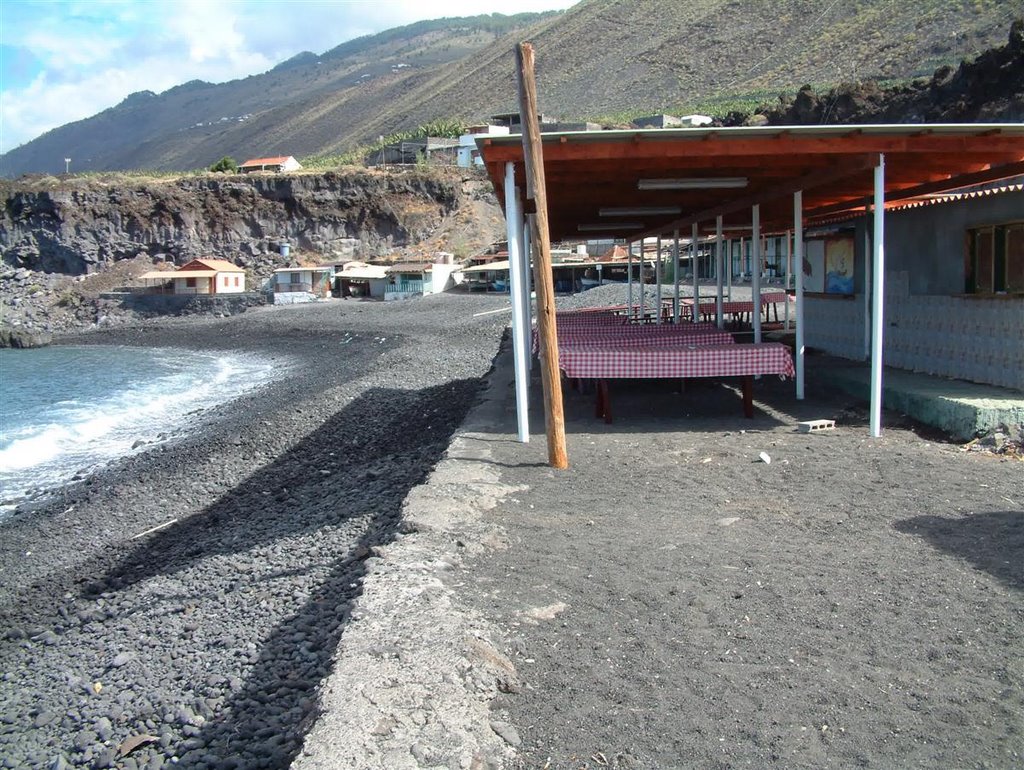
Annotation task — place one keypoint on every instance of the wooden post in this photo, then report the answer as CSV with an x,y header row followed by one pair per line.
x,y
536,194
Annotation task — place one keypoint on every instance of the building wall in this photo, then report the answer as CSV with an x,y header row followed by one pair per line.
x,y
202,286
930,325
226,283
441,278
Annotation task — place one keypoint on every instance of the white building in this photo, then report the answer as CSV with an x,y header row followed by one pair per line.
x,y
468,154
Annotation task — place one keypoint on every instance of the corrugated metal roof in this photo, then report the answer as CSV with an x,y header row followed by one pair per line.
x,y
314,268
760,132
951,197
489,267
410,267
363,273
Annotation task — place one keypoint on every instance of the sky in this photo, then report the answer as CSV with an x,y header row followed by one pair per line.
x,y
65,60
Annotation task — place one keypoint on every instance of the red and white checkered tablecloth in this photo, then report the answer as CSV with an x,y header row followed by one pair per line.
x,y
644,336
635,335
677,361
735,307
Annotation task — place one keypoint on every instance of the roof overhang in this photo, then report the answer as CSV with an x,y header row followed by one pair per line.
x,y
166,275
725,171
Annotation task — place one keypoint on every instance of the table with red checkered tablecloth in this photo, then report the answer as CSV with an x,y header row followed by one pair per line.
x,y
636,335
737,308
676,361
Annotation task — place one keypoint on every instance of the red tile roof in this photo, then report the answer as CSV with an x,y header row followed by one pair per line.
x,y
266,161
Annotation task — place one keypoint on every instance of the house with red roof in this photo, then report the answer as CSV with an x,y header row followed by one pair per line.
x,y
200,276
277,164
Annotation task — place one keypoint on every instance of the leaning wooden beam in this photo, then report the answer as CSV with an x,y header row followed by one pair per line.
x,y
536,194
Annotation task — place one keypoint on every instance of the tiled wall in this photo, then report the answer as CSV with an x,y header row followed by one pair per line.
x,y
835,326
981,340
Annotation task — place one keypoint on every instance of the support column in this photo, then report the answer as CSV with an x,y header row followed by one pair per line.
x,y
657,278
629,280
728,276
693,265
677,308
878,299
755,273
642,304
867,287
719,261
789,268
798,261
526,271
521,331
536,191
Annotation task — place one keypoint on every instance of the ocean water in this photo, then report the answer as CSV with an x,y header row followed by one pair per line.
x,y
68,410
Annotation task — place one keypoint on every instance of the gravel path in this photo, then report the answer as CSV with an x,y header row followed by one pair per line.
x,y
673,601
203,643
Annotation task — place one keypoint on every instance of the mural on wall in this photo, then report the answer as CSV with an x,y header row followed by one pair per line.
x,y
814,266
839,266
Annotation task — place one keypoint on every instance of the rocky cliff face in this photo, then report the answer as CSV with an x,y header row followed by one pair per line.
x,y
76,226
64,242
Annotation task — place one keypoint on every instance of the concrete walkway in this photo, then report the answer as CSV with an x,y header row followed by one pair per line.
x,y
962,409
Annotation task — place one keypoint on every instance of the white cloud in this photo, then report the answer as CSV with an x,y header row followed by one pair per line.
x,y
96,53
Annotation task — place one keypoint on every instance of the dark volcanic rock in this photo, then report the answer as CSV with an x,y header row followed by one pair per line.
x,y
21,338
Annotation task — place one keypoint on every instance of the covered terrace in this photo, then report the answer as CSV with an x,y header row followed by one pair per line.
x,y
751,181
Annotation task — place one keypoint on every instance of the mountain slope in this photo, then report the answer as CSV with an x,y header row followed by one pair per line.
x,y
602,59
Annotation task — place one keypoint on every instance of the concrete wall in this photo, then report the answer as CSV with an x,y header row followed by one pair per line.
x,y
292,297
184,304
931,326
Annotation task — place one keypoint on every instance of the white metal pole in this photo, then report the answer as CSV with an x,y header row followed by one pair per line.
x,y
629,280
867,288
728,275
798,263
642,304
755,273
878,288
520,328
789,267
657,278
693,266
527,273
719,262
676,308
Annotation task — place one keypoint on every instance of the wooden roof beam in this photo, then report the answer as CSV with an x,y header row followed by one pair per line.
x,y
996,174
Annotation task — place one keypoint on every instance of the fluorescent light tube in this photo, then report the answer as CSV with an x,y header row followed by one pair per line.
x,y
608,226
693,183
639,211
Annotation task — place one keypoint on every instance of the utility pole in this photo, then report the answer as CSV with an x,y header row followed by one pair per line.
x,y
537,206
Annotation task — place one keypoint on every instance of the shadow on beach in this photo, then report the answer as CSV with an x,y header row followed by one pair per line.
x,y
992,542
242,605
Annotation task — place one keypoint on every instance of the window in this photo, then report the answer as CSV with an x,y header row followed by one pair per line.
x,y
190,283
236,280
995,259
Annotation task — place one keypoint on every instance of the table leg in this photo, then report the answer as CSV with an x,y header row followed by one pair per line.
x,y
748,396
604,404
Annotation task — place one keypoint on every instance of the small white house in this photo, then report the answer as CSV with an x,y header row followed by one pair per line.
x,y
302,284
362,280
200,276
415,279
468,154
278,164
